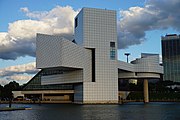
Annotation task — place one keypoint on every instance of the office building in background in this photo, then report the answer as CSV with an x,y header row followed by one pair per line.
x,y
171,57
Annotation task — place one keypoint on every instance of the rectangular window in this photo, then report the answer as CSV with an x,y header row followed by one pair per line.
x,y
112,51
112,44
112,54
76,22
93,66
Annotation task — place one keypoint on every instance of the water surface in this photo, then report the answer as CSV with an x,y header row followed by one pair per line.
x,y
130,111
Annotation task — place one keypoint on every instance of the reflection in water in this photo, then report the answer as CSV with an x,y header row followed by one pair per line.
x,y
100,112
131,111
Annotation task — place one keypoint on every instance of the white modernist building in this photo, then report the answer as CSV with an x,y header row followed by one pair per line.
x,y
89,62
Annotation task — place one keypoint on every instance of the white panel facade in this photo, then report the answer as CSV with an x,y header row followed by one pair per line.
x,y
148,63
66,77
99,29
145,67
48,51
55,51
126,66
79,29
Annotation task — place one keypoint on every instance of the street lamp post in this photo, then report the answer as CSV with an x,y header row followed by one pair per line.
x,y
127,54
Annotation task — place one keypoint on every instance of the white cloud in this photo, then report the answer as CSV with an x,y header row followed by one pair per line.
x,y
27,29
19,78
3,81
20,38
18,73
156,14
19,69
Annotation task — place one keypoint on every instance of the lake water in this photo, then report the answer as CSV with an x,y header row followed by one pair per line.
x,y
130,111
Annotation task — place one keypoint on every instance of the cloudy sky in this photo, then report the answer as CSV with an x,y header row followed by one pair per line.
x,y
140,23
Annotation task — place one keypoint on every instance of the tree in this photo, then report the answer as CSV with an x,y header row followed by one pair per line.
x,y
8,88
1,89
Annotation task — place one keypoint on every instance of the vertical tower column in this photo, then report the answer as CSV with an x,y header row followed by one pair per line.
x,y
42,96
146,93
96,29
